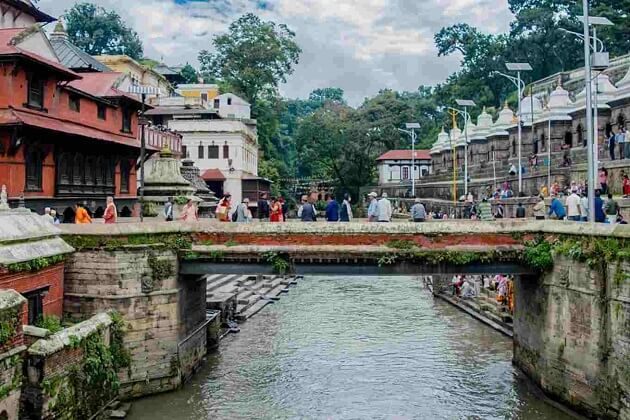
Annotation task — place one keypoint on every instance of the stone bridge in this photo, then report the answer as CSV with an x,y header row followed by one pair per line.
x,y
572,294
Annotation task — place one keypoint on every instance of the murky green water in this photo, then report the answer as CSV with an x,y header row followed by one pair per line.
x,y
357,348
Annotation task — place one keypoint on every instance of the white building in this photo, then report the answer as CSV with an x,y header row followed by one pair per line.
x,y
395,166
229,105
225,149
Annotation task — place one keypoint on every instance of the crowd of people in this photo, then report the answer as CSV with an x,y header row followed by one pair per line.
x,y
469,287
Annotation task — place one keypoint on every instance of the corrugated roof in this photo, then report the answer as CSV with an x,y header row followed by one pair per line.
x,y
74,58
7,48
34,119
213,175
405,155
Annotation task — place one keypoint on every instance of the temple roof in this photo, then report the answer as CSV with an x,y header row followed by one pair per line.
x,y
72,56
404,155
26,6
505,120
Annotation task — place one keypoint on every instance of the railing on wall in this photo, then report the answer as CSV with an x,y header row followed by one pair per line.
x,y
158,138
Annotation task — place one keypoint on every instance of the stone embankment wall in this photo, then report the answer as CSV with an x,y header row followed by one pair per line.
x,y
572,335
71,374
165,314
11,352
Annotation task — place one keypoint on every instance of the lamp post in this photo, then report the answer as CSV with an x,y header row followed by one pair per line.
x,y
143,91
520,85
410,127
465,103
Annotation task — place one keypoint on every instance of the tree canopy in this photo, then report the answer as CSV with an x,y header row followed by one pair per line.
x,y
99,31
189,74
253,57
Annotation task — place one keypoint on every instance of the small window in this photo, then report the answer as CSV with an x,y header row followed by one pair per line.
x,y
35,305
204,97
229,101
184,152
213,152
200,152
101,111
36,91
217,102
405,172
226,152
126,120
34,166
125,171
74,102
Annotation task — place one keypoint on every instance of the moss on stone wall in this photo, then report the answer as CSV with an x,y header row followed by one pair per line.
x,y
173,241
35,264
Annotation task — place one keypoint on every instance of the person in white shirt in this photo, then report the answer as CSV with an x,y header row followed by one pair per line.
x,y
584,207
384,209
573,207
47,216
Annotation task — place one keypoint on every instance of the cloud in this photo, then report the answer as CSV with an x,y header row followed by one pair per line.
x,y
361,46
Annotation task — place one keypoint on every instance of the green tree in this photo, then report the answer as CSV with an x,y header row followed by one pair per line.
x,y
253,57
99,31
189,74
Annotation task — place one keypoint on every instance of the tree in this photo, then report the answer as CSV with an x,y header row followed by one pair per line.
x,y
327,94
189,74
98,31
253,57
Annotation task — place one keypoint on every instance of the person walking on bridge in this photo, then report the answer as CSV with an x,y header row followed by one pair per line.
x,y
372,212
111,214
539,208
345,215
418,212
485,210
307,212
81,216
332,209
384,209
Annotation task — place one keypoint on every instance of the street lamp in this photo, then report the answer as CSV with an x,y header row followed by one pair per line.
x,y
143,91
465,103
410,127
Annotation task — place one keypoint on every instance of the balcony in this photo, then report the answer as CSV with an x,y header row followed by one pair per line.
x,y
158,138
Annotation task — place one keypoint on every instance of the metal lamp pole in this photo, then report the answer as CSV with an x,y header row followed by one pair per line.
x,y
465,103
589,114
410,130
142,154
549,150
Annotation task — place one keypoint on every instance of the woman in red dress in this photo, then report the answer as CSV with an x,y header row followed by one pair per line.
x,y
626,186
276,211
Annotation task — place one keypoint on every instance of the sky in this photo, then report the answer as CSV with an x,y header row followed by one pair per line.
x,y
361,46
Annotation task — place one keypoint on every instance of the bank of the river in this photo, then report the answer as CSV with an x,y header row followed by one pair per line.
x,y
356,348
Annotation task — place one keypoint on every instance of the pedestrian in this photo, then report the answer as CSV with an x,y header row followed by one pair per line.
x,y
81,216
418,212
223,208
544,191
372,212
285,208
626,186
53,214
600,216
345,215
520,211
512,170
603,180
485,210
500,212
620,139
308,213
611,145
384,209
626,141
275,211
584,207
612,209
111,214
539,208
263,207
573,207
168,209
332,209
189,212
557,208
243,213
47,216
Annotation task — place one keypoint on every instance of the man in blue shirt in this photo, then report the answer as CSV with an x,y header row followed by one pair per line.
x,y
332,210
600,216
557,208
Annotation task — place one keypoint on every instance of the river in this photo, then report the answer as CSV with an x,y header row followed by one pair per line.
x,y
356,348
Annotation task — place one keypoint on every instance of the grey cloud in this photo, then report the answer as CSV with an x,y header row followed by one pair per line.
x,y
334,53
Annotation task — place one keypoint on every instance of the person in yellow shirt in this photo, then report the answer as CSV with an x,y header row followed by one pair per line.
x,y
81,216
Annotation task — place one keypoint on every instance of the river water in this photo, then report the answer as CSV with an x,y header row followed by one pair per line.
x,y
356,348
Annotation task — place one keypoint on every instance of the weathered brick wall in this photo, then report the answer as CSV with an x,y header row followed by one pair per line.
x,y
564,337
49,391
142,284
11,352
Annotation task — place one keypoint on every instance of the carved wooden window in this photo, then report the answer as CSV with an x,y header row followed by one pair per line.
x,y
77,170
126,120
36,91
101,111
74,103
34,167
125,171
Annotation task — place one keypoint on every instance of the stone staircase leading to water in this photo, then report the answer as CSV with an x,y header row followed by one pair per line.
x,y
240,297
